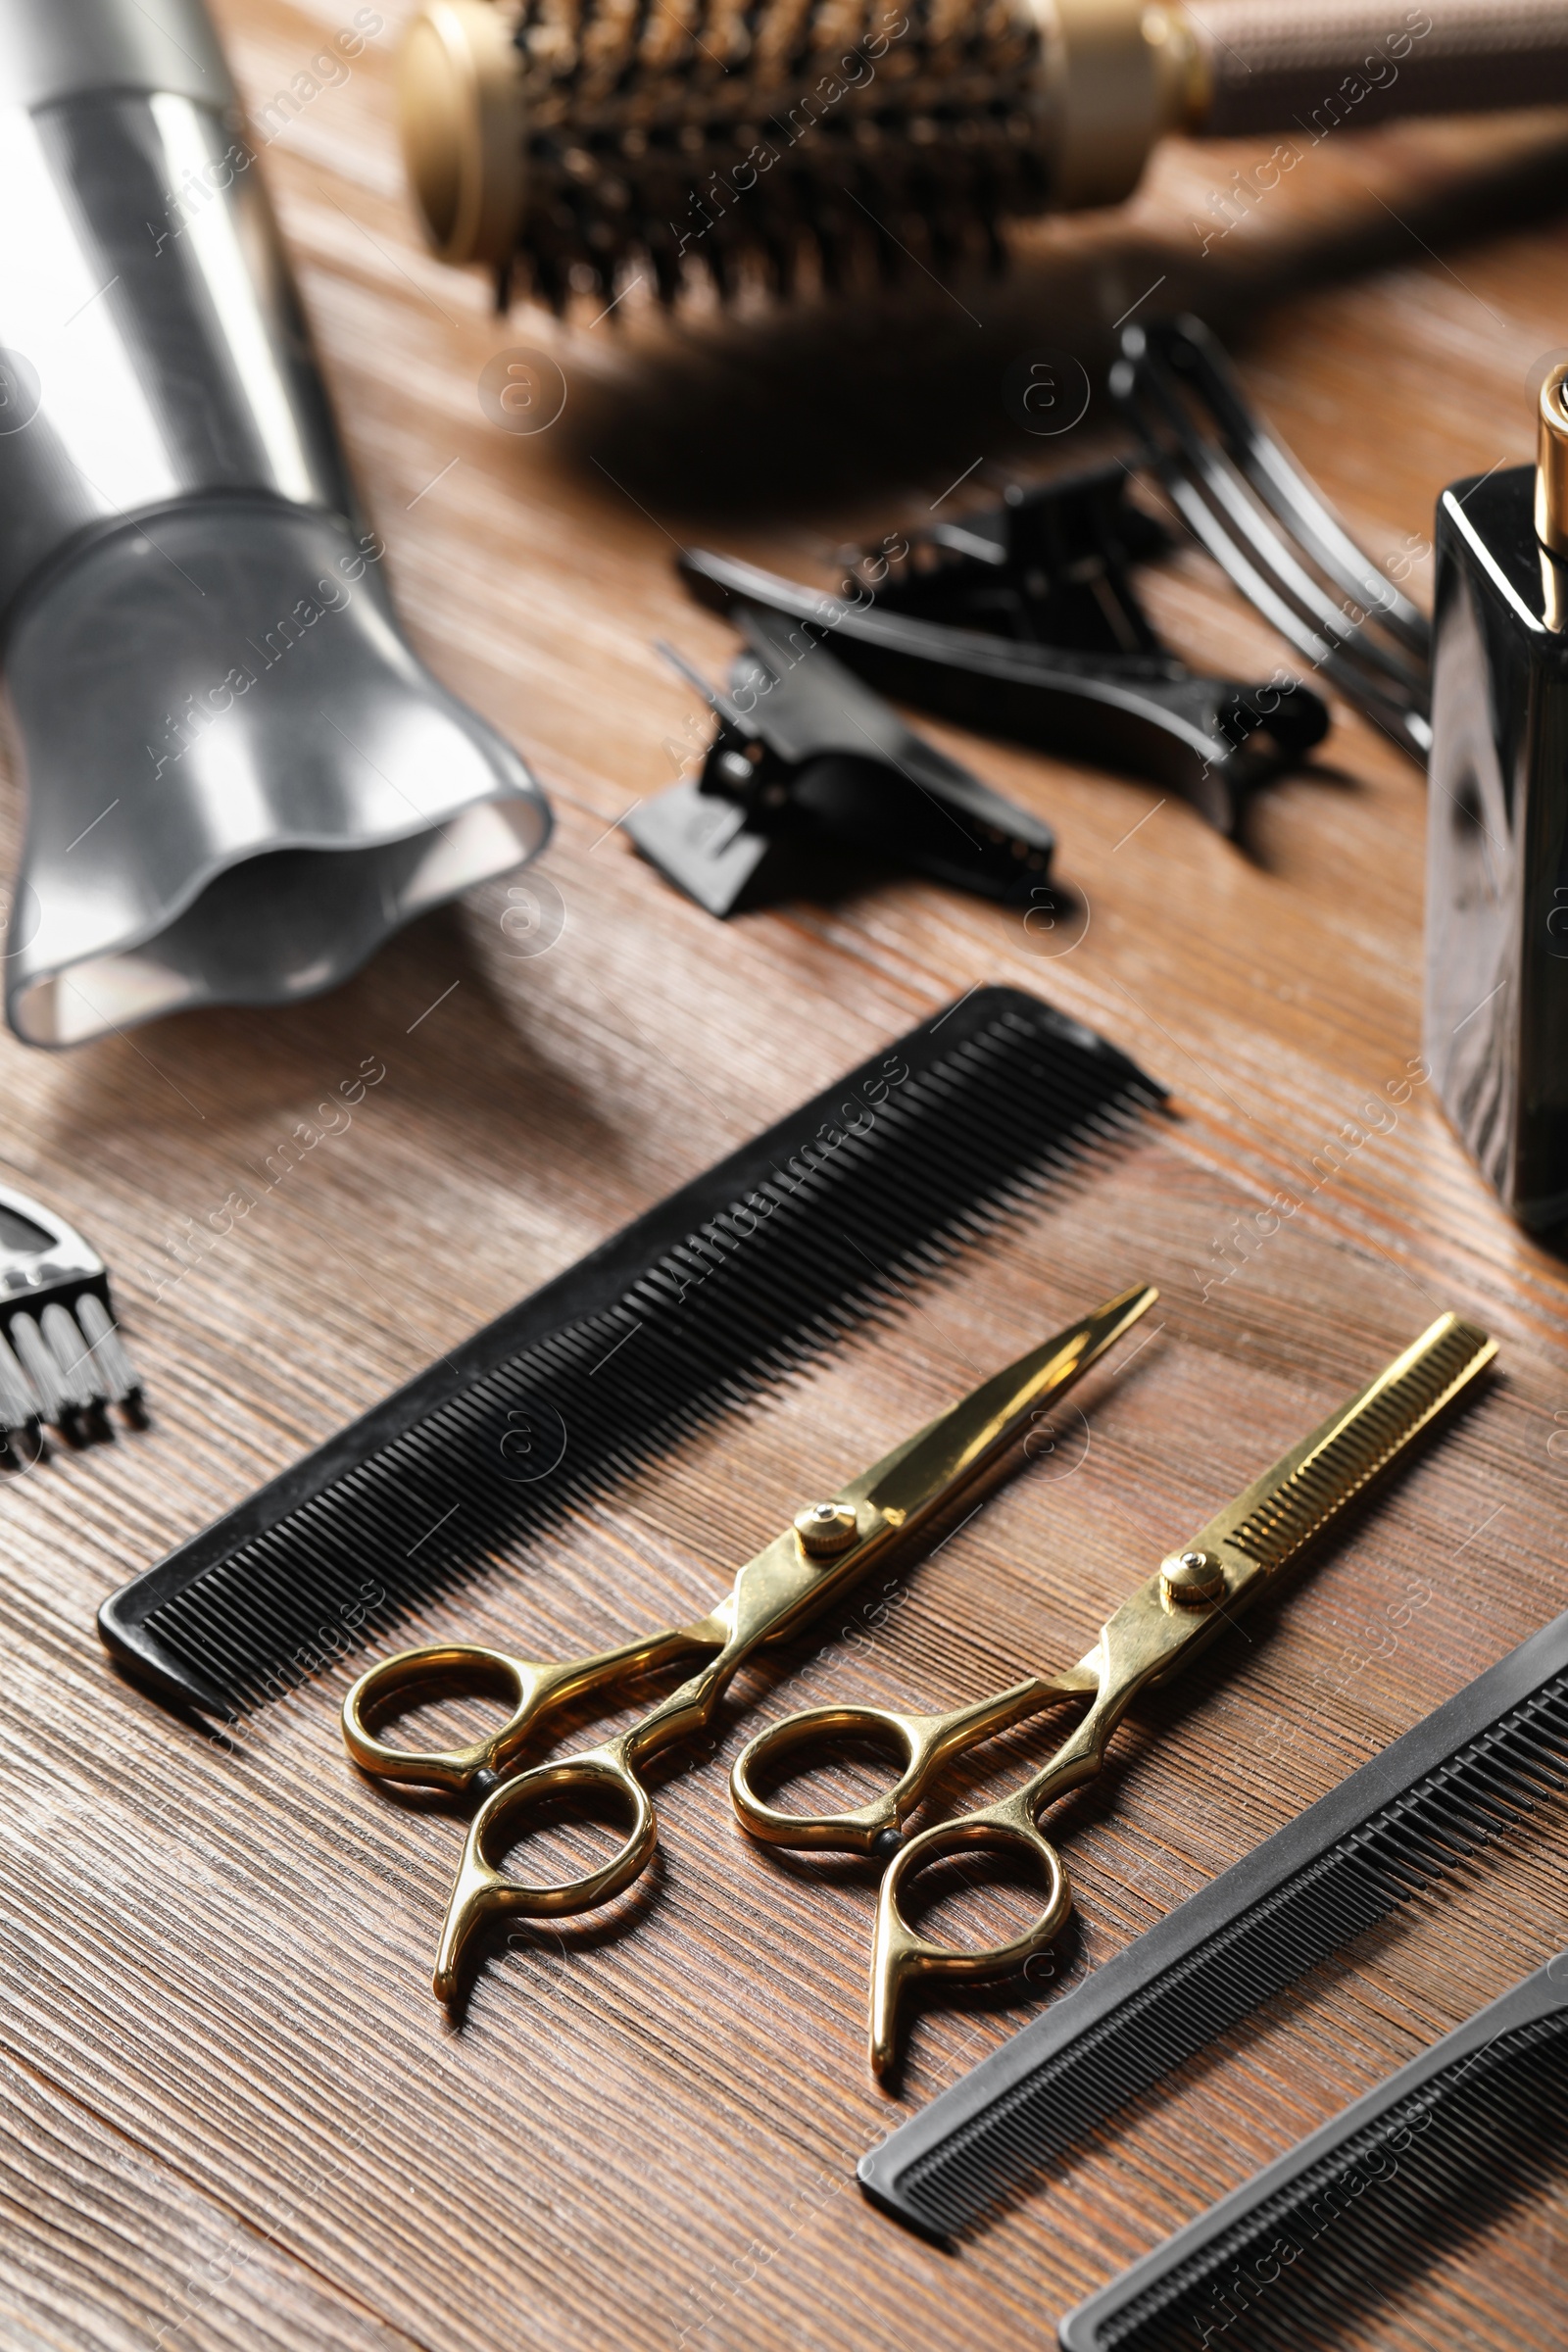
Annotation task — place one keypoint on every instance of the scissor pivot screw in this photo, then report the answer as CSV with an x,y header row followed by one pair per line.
x,y
1193,1578
825,1529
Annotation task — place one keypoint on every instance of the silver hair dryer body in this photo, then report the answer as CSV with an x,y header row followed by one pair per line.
x,y
240,778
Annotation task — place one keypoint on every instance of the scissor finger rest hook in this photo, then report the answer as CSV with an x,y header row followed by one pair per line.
x,y
899,1956
482,1891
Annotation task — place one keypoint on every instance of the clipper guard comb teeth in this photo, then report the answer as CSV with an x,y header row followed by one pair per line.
x,y
240,778
62,1360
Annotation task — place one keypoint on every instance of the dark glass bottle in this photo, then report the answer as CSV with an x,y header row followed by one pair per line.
x,y
1496,979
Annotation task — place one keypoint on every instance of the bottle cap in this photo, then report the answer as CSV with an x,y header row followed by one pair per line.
x,y
1551,462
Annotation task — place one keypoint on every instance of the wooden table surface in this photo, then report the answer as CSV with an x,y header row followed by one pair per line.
x,y
234,2114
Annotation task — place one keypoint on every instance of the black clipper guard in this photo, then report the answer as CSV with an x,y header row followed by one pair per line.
x,y
62,1359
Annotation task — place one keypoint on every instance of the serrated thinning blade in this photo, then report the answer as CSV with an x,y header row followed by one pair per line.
x,y
1281,1511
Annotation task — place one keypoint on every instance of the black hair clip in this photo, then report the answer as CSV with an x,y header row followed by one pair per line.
x,y
811,777
1023,621
1049,567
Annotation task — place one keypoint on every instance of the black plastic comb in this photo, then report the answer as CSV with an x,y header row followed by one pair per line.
x,y
733,1283
1329,2233
1432,1798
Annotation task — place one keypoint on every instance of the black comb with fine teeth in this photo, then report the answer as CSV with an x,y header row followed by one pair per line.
x,y
1433,1800
1331,2233
62,1360
737,1282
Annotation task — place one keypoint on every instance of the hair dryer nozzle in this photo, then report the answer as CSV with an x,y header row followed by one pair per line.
x,y
240,779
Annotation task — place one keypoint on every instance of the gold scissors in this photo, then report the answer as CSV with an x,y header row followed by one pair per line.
x,y
828,1544
1194,1592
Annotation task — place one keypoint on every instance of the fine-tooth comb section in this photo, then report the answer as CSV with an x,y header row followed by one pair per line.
x,y
1351,1449
1435,1800
740,1280
1330,2234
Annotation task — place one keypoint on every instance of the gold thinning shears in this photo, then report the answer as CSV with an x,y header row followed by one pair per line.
x,y
1196,1592
827,1548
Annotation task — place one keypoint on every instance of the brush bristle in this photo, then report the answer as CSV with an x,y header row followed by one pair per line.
x,y
850,138
753,1296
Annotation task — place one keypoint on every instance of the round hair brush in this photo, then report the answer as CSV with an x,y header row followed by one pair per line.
x,y
584,140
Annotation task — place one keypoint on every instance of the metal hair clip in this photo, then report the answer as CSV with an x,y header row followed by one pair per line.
x,y
61,1355
1022,622
1249,504
810,772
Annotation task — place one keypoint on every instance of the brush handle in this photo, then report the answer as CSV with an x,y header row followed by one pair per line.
x,y
1354,62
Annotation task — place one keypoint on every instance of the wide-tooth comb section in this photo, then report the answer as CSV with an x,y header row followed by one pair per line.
x,y
72,1356
1321,2241
1353,1445
117,1378
37,1360
19,1410
1429,1804
735,1284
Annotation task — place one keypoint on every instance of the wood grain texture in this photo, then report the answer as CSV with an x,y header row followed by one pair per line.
x,y
234,2114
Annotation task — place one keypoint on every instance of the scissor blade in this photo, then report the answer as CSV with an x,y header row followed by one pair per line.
x,y
1267,1524
942,1457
